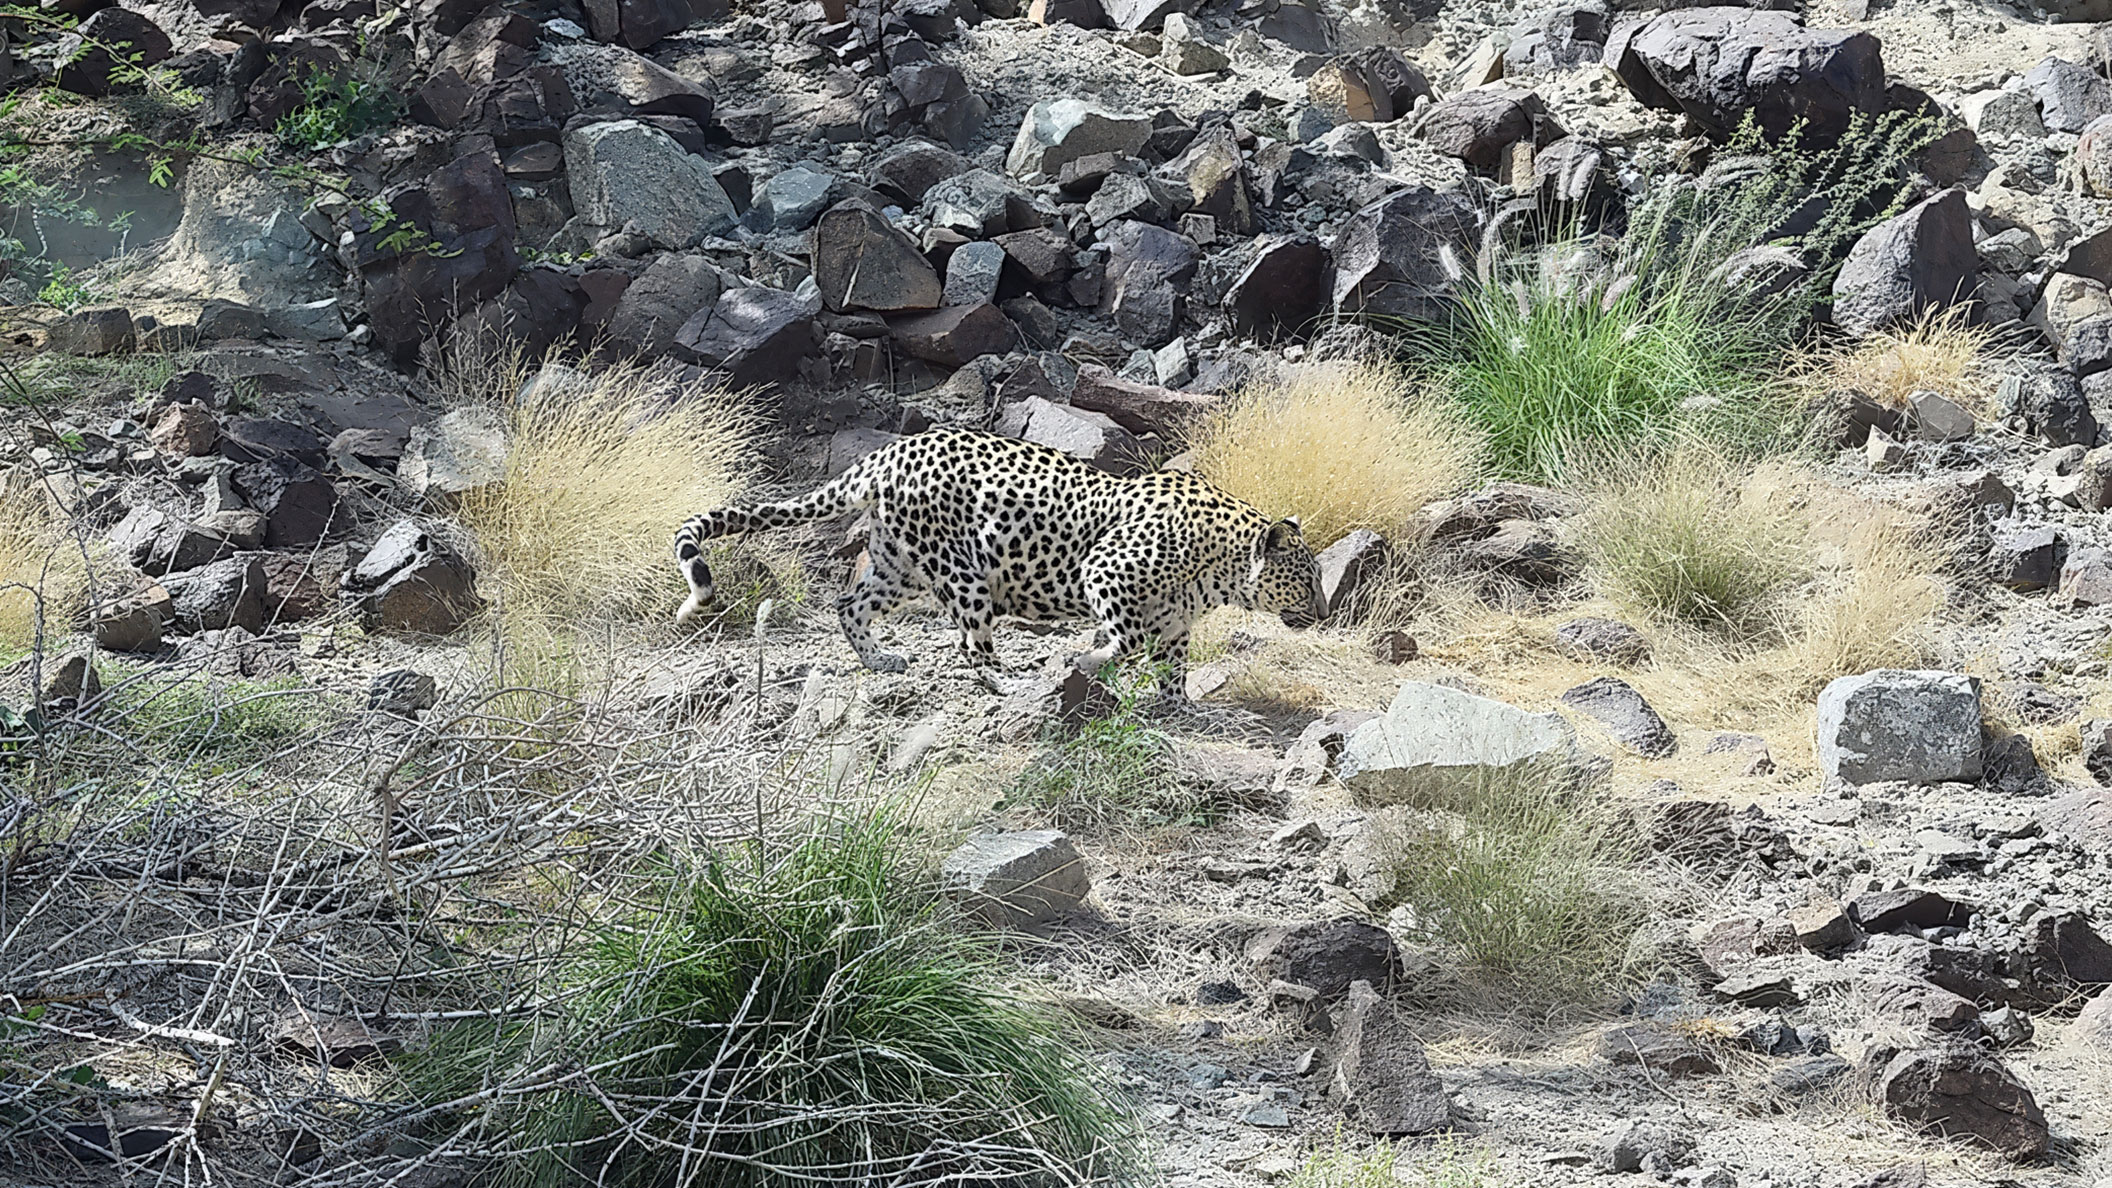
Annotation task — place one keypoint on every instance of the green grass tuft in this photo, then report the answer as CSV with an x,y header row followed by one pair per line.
x,y
1115,770
1526,878
1597,345
788,1016
335,108
1683,543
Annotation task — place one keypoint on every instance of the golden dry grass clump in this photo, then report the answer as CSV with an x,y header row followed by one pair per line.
x,y
37,563
1938,352
1341,445
599,474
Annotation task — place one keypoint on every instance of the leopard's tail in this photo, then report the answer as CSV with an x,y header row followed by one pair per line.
x,y
849,491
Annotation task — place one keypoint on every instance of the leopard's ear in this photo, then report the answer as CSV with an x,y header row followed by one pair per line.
x,y
1283,534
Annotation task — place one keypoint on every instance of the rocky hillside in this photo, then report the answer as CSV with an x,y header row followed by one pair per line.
x,y
1701,414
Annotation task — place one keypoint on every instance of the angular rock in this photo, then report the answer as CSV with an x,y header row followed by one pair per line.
x,y
297,502
188,430
106,52
1282,289
976,203
217,596
1215,176
1434,744
413,583
2070,96
1345,567
625,173
460,228
1017,879
755,334
1655,1046
1058,131
1632,1145
2086,578
93,330
1480,126
660,301
132,623
1894,725
1148,273
1087,436
1908,907
908,173
955,334
1141,408
862,261
2024,557
1959,1091
793,198
972,274
1616,705
2048,402
1402,255
1328,957
1920,260
1381,1073
462,452
1719,64
2064,949
1134,15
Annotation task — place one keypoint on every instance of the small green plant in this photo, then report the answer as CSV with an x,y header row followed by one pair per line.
x,y
1684,542
1381,1165
337,107
786,1015
1116,769
65,290
1526,877
1591,345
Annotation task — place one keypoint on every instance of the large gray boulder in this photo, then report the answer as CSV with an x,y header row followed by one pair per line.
x,y
1896,725
654,307
626,173
1719,64
1057,131
1434,741
1014,879
1402,255
1920,259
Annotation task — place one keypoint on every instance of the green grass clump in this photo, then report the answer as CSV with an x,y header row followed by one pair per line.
x,y
1683,543
787,1016
1115,770
197,721
1598,344
1527,878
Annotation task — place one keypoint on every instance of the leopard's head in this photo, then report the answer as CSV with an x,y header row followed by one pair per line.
x,y
1286,578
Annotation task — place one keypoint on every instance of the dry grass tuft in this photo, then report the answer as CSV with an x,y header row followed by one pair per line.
x,y
1342,445
597,480
1879,612
42,577
1687,543
1939,352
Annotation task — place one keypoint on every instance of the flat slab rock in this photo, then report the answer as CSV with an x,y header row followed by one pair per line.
x,y
1433,740
1016,879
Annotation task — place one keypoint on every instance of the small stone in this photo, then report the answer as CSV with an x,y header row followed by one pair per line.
x,y
1381,1071
1894,725
403,692
1603,639
1631,721
1630,1144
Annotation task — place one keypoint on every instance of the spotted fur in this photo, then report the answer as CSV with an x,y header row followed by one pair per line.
x,y
998,527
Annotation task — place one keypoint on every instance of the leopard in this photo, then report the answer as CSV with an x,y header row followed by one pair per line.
x,y
997,527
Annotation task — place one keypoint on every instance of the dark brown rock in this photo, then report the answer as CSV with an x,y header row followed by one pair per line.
x,y
1719,64
1381,1075
1327,956
1141,408
956,334
1959,1091
755,334
861,261
1282,289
